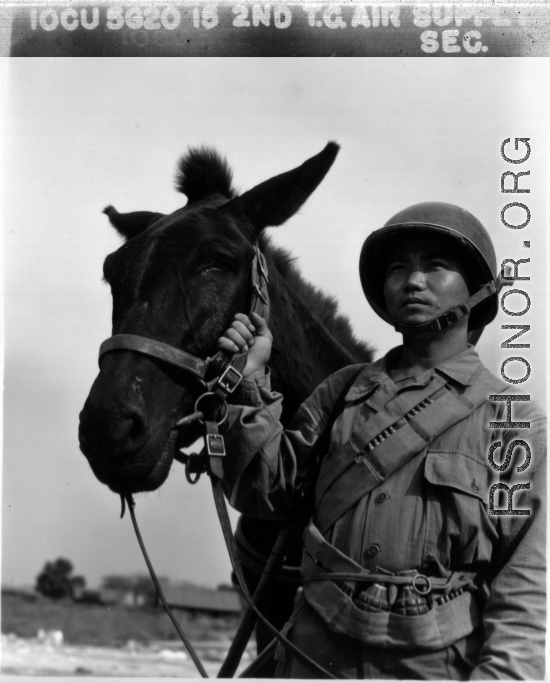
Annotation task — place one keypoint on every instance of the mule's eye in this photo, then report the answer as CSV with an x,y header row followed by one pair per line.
x,y
209,268
219,265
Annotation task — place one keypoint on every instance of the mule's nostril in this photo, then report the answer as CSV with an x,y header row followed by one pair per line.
x,y
111,431
133,429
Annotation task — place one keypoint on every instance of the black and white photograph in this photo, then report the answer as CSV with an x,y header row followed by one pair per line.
x,y
274,352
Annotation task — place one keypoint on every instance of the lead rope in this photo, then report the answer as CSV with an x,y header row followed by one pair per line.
x,y
156,583
211,460
221,507
229,539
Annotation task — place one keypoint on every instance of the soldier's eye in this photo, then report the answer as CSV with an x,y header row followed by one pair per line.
x,y
395,267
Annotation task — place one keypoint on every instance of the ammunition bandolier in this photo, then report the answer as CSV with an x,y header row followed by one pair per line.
x,y
403,553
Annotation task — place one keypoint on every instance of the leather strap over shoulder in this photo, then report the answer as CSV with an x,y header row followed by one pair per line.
x,y
391,437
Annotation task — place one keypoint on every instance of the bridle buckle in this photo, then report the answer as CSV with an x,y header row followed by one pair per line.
x,y
229,380
260,294
262,266
215,445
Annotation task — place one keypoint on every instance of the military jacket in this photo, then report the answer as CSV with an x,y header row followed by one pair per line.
x,y
441,509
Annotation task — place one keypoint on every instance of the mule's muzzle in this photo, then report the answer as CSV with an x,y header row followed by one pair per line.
x,y
116,440
122,433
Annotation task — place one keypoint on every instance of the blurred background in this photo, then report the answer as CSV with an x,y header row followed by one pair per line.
x,y
79,134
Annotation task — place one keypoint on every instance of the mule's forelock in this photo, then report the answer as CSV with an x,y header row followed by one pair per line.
x,y
203,172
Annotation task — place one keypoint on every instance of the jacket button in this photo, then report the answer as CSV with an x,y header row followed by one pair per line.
x,y
373,550
474,487
381,497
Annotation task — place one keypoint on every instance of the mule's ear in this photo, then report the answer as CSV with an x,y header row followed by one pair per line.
x,y
131,224
274,201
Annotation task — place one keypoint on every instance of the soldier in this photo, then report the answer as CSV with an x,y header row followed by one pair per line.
x,y
415,564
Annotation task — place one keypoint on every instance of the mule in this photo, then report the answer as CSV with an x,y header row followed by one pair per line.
x,y
180,279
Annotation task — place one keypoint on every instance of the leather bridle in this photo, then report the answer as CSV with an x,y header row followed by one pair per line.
x,y
220,375
226,379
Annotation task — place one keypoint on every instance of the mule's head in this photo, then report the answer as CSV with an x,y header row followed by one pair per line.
x,y
178,279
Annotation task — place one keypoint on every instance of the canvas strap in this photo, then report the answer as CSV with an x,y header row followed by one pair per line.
x,y
391,437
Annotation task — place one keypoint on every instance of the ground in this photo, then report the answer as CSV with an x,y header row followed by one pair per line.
x,y
41,637
162,659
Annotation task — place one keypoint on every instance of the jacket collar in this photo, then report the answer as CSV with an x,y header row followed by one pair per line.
x,y
460,368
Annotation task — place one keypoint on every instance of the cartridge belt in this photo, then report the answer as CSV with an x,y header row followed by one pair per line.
x,y
404,610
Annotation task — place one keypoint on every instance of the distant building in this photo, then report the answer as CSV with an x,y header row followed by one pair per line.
x,y
193,598
223,601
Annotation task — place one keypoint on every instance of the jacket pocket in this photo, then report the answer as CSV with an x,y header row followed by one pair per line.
x,y
457,489
458,471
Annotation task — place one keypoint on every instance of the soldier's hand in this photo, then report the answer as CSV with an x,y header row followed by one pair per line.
x,y
249,334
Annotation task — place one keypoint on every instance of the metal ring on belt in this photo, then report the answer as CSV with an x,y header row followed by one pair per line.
x,y
421,591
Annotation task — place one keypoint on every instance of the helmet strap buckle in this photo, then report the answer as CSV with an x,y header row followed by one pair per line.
x,y
447,319
444,321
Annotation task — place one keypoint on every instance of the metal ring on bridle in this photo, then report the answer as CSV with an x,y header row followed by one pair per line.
x,y
419,590
224,404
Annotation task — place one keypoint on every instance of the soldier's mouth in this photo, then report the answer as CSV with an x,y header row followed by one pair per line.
x,y
414,301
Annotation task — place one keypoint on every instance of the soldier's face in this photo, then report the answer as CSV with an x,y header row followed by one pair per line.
x,y
423,280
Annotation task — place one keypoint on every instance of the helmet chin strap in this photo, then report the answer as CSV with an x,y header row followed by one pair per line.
x,y
447,319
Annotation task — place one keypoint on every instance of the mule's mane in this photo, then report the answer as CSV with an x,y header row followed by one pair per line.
x,y
321,305
202,172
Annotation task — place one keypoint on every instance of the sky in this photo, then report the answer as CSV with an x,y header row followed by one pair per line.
x,y
79,134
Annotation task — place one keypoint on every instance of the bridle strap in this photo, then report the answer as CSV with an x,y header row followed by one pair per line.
x,y
156,349
260,298
259,304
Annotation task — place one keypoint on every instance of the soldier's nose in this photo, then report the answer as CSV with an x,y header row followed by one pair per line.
x,y
416,280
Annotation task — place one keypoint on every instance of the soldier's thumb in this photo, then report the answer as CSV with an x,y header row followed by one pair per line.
x,y
262,330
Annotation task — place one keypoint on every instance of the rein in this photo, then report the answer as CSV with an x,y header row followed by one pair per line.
x,y
224,375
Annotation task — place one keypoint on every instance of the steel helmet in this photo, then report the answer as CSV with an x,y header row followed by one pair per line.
x,y
465,233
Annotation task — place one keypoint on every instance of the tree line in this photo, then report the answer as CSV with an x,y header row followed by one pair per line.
x,y
57,580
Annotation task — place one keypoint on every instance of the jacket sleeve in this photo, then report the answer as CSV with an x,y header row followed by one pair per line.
x,y
266,465
514,618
